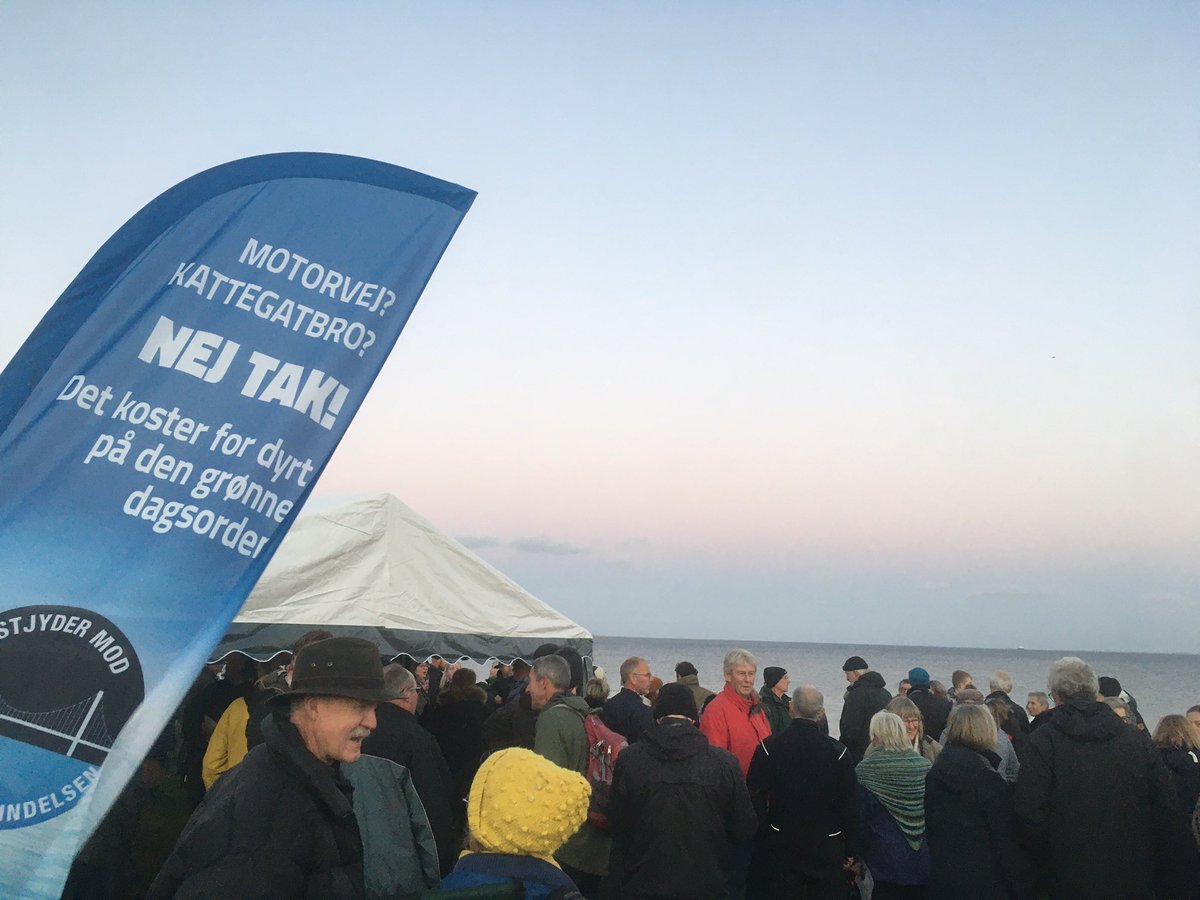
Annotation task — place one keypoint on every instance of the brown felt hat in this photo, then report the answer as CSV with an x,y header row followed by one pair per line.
x,y
338,667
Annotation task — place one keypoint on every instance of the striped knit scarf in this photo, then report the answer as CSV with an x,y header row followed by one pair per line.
x,y
898,780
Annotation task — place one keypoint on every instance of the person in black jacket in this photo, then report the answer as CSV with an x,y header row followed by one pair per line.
x,y
626,712
399,737
1092,798
935,710
804,791
456,720
866,696
677,806
1001,686
969,819
281,824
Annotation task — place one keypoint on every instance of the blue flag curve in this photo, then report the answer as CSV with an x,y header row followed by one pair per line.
x,y
158,432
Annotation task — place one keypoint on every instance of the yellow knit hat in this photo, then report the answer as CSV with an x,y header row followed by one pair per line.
x,y
522,803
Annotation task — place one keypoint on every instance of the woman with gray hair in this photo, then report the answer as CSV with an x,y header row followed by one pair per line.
x,y
914,727
891,781
969,817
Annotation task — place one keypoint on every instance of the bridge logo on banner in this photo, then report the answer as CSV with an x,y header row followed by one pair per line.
x,y
159,431
75,714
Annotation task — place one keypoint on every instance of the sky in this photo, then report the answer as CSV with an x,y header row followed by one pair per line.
x,y
796,321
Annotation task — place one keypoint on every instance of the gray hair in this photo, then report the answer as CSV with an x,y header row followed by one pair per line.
x,y
1121,708
887,732
397,679
1002,681
554,668
1073,680
1040,696
739,657
807,703
628,667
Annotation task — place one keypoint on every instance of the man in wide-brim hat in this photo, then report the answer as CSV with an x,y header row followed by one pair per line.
x,y
282,824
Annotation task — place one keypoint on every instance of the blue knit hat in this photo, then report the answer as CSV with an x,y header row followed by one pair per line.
x,y
918,677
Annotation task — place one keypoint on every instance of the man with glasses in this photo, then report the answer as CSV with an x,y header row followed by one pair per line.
x,y
626,712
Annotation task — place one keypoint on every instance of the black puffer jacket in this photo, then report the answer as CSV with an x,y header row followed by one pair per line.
x,y
677,805
971,830
864,698
1095,801
279,825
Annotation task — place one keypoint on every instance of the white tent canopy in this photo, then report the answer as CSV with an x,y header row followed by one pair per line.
x,y
376,569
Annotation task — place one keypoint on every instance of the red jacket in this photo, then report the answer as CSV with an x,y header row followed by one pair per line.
x,y
735,723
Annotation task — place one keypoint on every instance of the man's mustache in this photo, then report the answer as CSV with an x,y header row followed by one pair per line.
x,y
360,733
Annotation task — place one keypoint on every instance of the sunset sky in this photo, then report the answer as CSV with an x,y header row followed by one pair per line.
x,y
792,321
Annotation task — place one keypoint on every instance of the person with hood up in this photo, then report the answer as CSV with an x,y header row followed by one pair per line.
x,y
866,696
969,817
686,674
521,810
775,700
1093,796
678,807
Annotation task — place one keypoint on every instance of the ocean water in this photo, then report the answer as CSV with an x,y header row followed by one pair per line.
x,y
1161,683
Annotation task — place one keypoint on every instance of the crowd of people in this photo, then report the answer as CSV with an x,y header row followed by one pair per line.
x,y
338,777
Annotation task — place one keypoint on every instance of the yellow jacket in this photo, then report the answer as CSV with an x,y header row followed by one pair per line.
x,y
227,745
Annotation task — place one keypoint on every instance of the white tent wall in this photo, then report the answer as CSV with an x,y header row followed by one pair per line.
x,y
376,569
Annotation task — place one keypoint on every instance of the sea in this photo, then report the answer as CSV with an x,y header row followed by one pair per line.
x,y
1161,683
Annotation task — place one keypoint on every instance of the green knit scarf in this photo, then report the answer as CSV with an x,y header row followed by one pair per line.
x,y
897,778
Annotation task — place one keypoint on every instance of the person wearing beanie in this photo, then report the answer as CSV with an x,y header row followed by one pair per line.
x,y
1110,687
866,696
935,710
522,808
677,808
685,673
774,698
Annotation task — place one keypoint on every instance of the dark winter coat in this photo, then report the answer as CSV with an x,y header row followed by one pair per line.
x,y
279,825
562,739
778,709
1184,766
1093,799
864,698
1019,715
971,829
935,710
398,736
400,859
456,720
512,725
677,806
627,714
805,793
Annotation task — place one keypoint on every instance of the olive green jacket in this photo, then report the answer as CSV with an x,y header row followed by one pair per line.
x,y
561,738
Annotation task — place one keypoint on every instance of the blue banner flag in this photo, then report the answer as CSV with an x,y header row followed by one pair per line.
x,y
158,432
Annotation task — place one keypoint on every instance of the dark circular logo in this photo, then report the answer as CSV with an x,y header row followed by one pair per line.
x,y
69,680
